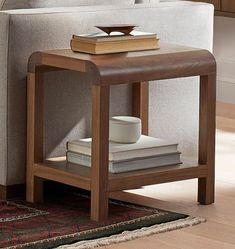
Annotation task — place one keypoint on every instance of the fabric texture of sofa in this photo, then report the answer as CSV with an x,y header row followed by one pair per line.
x,y
173,103
26,4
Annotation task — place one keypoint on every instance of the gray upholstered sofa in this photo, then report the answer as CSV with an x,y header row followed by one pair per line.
x,y
173,104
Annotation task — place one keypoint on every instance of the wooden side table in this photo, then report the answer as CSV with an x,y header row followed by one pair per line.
x,y
105,70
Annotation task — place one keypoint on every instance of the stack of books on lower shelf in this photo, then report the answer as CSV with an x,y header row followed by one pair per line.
x,y
147,152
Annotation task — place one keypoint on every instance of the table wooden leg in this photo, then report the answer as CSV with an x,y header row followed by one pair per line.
x,y
100,143
140,103
34,187
206,186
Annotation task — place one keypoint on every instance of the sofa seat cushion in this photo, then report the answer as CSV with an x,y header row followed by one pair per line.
x,y
74,3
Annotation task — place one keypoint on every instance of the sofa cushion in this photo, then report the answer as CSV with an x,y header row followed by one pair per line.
x,y
72,3
14,4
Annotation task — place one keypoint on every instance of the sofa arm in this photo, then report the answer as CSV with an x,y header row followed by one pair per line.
x,y
31,30
174,21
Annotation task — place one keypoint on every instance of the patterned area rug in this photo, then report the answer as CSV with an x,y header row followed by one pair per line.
x,y
65,220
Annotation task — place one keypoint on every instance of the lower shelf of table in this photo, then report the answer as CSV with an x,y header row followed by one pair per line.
x,y
57,169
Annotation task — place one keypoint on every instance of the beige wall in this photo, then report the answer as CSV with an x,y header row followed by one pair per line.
x,y
224,49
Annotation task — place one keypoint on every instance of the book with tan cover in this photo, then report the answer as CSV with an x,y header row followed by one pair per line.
x,y
101,43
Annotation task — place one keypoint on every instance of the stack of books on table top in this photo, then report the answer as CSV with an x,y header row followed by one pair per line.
x,y
116,42
147,152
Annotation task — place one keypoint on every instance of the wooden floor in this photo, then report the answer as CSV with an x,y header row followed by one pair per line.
x,y
219,231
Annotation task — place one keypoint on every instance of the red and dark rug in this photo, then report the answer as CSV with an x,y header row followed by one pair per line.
x,y
65,220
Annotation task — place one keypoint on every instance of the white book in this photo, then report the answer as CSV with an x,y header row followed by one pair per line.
x,y
144,147
128,165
